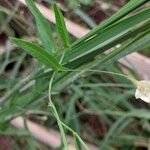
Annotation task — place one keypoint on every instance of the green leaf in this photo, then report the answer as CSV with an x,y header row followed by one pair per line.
x,y
129,7
61,27
109,37
38,53
140,42
42,26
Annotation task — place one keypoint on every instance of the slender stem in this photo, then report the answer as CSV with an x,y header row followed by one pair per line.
x,y
62,56
134,81
55,113
67,127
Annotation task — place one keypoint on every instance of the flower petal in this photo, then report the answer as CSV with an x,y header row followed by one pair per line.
x,y
143,91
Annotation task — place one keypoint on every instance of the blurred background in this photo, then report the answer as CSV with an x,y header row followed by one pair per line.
x,y
101,108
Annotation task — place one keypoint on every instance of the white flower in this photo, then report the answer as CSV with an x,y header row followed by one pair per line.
x,y
143,91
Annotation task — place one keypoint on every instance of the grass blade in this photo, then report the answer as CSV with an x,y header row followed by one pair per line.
x,y
108,37
130,6
42,26
39,53
61,27
141,42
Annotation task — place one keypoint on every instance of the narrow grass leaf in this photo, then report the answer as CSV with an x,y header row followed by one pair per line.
x,y
113,129
61,27
42,26
39,53
129,7
109,37
140,42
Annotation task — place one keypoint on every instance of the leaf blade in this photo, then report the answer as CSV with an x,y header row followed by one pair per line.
x,y
107,36
140,42
42,26
39,53
61,27
129,7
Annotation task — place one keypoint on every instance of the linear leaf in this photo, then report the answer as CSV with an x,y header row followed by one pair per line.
x,y
42,26
140,42
61,27
109,36
130,6
38,53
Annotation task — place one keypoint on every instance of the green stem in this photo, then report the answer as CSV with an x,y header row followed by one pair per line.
x,y
55,113
78,137
134,81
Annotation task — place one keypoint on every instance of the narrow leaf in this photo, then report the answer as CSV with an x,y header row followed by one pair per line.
x,y
140,42
38,53
111,36
42,26
129,7
61,27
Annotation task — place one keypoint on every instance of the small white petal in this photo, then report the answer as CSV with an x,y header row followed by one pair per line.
x,y
145,99
137,94
143,91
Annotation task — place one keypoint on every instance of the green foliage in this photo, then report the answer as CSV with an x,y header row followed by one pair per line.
x,y
61,27
131,32
140,42
39,53
129,7
43,27
103,39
